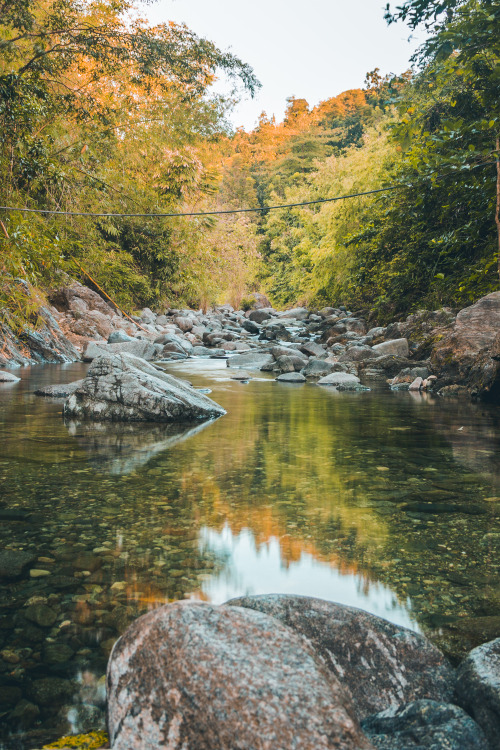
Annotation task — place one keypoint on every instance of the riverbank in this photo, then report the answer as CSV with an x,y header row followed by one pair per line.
x,y
452,354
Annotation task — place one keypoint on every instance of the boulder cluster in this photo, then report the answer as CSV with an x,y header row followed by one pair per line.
x,y
441,351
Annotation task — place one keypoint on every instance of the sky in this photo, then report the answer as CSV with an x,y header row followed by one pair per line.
x,y
311,49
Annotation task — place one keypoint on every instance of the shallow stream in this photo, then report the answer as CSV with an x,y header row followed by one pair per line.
x,y
385,501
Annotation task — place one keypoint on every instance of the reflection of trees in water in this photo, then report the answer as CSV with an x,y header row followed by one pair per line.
x,y
354,486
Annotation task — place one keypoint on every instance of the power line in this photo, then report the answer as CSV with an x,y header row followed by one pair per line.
x,y
230,211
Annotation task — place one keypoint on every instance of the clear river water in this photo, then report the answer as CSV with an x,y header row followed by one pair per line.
x,y
381,500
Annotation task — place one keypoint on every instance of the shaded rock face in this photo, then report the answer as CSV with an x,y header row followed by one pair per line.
x,y
478,688
469,354
121,387
143,349
383,665
425,725
191,675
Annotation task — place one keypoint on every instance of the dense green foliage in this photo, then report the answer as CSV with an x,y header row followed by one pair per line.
x,y
432,134
100,112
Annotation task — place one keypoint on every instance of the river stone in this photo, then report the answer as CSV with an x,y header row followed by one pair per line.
x,y
285,363
291,377
63,390
49,691
338,378
138,347
358,353
259,316
318,368
41,614
382,664
121,387
13,563
297,313
311,349
193,675
8,377
424,725
251,361
119,337
478,688
251,326
397,347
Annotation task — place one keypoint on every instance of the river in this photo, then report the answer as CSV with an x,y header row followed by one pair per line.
x,y
385,501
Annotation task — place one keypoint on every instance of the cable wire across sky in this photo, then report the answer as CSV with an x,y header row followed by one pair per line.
x,y
234,210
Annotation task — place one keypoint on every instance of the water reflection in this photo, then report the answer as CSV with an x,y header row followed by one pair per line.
x,y
121,448
252,569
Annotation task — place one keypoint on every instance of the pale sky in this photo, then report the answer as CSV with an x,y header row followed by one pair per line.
x,y
311,50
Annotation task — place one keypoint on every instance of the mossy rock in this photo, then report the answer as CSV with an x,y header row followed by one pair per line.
x,y
91,741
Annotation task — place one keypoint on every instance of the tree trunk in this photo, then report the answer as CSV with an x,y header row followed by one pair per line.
x,y
497,212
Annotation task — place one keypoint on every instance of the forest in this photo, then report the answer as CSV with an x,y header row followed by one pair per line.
x,y
102,113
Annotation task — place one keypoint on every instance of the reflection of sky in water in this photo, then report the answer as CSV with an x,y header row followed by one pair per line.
x,y
250,571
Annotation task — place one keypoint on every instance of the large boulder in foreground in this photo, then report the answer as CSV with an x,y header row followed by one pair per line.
x,y
469,354
121,387
192,675
383,665
478,688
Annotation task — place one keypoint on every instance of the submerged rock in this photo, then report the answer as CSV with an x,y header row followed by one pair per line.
x,y
13,563
194,675
382,664
121,387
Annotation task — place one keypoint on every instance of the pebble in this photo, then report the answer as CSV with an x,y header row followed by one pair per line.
x,y
39,573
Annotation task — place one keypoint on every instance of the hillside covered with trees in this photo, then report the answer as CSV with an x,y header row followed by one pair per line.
x,y
102,113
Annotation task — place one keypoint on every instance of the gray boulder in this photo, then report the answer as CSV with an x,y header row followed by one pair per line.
x,y
478,688
119,337
382,664
297,313
311,349
254,360
338,378
121,387
192,675
259,316
318,368
8,377
137,347
358,353
424,725
397,347
289,363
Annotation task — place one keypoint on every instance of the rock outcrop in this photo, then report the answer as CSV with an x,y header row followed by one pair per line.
x,y
469,354
121,387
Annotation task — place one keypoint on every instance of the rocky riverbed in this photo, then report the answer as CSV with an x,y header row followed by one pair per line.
x,y
452,354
